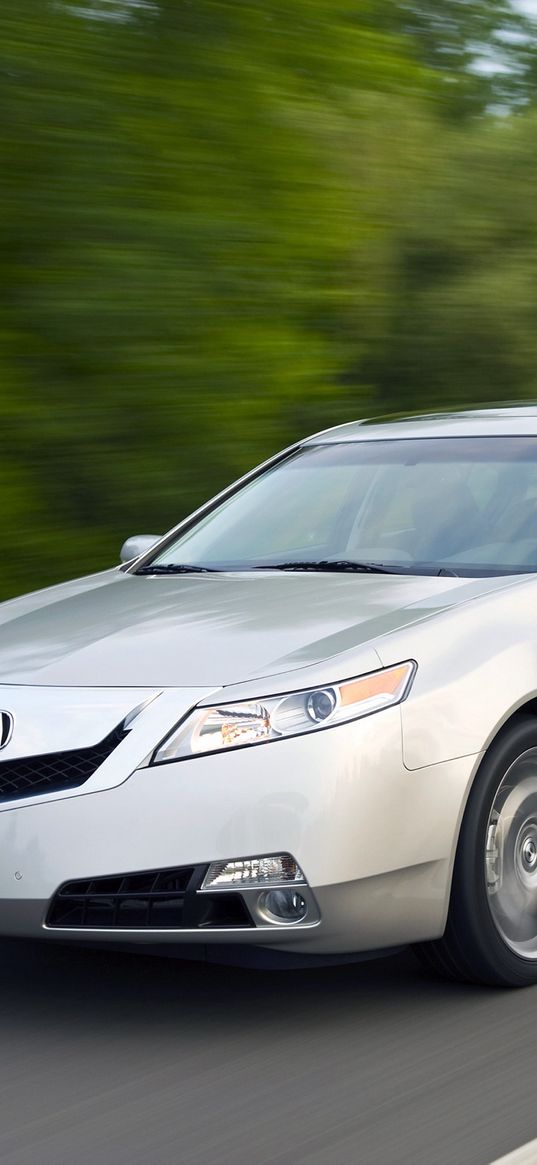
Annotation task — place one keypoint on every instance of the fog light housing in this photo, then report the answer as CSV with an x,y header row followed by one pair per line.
x,y
239,872
284,905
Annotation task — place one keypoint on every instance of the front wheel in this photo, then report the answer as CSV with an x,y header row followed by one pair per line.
x,y
491,932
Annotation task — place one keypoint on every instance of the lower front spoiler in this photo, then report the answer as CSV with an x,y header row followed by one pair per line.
x,y
364,917
255,958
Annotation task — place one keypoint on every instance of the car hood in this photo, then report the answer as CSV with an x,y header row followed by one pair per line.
x,y
119,629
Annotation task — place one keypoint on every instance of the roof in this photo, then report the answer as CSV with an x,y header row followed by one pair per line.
x,y
494,422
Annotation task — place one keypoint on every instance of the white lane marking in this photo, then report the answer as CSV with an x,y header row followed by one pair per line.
x,y
526,1155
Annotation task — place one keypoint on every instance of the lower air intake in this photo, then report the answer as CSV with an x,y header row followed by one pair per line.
x,y
154,899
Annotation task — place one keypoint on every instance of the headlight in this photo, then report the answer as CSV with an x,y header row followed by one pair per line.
x,y
259,721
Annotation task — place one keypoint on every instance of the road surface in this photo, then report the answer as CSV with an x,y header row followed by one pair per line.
x,y
123,1059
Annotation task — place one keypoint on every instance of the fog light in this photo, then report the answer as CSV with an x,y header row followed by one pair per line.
x,y
253,872
282,906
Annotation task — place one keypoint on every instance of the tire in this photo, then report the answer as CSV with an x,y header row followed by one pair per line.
x,y
491,931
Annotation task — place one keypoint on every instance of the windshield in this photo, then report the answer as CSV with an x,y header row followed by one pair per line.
x,y
464,506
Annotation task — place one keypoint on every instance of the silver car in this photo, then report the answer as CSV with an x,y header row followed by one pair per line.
x,y
366,601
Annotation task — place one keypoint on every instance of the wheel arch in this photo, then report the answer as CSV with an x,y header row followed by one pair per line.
x,y
471,947
526,708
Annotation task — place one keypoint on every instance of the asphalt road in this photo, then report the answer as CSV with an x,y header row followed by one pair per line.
x,y
125,1059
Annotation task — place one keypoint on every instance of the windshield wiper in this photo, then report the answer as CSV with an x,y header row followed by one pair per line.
x,y
323,565
338,566
174,568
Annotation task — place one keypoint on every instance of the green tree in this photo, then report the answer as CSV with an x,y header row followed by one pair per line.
x,y
461,323
452,36
225,224
175,232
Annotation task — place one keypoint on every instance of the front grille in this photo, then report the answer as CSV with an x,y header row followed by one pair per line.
x,y
158,899
54,771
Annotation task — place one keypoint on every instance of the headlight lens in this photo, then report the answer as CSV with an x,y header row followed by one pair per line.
x,y
227,726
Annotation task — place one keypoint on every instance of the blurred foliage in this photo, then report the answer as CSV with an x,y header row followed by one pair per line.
x,y
227,223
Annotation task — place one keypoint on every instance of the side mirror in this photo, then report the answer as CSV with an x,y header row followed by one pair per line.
x,y
137,545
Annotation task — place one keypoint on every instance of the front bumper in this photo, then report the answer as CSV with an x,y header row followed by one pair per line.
x,y
375,841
